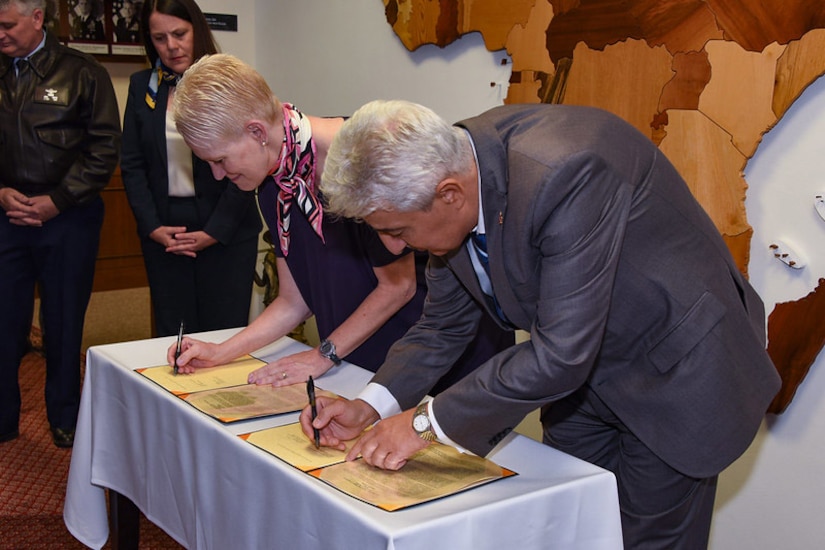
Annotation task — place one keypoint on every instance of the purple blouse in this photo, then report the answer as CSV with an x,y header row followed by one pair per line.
x,y
336,276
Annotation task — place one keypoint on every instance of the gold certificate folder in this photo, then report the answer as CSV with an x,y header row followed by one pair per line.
x,y
433,473
223,393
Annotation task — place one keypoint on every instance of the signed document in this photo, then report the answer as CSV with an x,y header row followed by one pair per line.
x,y
249,401
291,445
222,392
221,376
433,473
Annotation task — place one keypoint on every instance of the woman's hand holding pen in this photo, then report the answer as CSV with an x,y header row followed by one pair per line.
x,y
293,369
195,355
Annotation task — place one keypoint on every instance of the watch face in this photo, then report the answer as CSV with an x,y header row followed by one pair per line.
x,y
421,423
326,348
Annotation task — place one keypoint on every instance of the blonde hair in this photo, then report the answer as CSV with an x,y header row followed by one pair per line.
x,y
217,96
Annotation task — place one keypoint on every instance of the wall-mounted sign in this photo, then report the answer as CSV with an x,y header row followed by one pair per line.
x,y
222,21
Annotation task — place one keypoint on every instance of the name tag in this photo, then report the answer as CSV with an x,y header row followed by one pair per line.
x,y
51,95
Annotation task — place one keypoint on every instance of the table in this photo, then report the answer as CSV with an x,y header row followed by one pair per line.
x,y
207,488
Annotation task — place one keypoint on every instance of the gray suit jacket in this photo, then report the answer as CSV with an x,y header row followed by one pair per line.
x,y
599,250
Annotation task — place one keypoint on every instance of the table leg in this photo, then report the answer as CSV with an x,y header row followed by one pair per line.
x,y
124,522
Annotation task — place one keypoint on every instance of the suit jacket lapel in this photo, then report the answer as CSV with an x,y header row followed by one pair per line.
x,y
158,122
462,266
492,160
495,207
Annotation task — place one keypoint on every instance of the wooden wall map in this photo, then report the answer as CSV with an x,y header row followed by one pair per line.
x,y
704,79
796,354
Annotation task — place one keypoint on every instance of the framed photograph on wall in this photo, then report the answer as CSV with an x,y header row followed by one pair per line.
x,y
107,28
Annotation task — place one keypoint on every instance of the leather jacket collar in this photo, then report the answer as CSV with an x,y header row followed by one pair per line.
x,y
40,62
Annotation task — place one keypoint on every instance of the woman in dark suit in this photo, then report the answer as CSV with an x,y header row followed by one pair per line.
x,y
199,235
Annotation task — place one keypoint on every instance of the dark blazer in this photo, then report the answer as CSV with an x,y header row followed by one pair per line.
x,y
229,214
599,250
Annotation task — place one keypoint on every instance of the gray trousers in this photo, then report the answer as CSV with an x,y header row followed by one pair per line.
x,y
661,508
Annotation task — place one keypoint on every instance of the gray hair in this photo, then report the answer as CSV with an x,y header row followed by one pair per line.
x,y
217,96
390,156
26,7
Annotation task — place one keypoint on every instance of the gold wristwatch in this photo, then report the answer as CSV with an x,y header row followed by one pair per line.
x,y
422,425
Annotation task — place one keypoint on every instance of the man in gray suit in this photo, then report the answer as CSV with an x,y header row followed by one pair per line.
x,y
647,345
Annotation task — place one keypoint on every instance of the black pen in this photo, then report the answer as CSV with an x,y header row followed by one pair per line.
x,y
311,394
177,348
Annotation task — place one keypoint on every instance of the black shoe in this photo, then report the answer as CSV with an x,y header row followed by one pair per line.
x,y
63,438
9,436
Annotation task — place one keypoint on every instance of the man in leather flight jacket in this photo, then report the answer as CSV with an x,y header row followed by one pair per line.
x,y
59,144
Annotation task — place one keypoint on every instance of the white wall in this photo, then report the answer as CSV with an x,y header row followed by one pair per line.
x,y
329,57
241,43
772,497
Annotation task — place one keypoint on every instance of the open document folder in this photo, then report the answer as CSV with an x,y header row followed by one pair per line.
x,y
435,472
222,391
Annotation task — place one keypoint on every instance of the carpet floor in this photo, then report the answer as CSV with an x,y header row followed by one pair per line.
x,y
33,474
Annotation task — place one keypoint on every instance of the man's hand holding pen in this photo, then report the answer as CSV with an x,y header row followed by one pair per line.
x,y
337,420
178,345
387,445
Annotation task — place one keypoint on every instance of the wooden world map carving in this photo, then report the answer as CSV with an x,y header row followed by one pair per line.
x,y
704,79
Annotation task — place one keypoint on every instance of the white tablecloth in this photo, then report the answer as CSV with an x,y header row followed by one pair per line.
x,y
191,476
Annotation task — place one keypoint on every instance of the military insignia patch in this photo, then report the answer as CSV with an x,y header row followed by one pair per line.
x,y
51,95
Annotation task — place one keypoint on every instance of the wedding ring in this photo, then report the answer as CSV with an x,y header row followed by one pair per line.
x,y
283,376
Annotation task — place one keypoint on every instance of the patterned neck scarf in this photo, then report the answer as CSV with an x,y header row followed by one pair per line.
x,y
161,73
295,176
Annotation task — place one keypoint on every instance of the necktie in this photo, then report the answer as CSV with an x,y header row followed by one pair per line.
x,y
479,243
21,67
479,246
20,75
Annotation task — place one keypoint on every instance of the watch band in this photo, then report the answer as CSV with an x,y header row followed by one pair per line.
x,y
327,349
427,434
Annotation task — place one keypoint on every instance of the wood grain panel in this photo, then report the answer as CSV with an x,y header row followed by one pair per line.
x,y
800,64
754,24
525,44
120,259
684,90
625,78
792,344
705,156
740,92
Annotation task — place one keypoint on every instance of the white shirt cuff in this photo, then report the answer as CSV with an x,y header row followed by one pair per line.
x,y
380,399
